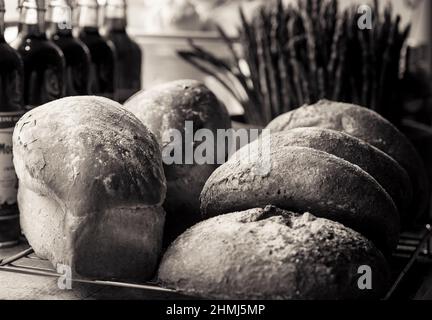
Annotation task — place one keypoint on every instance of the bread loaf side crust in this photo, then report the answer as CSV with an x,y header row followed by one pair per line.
x,y
90,177
125,243
368,126
271,254
303,179
167,107
388,173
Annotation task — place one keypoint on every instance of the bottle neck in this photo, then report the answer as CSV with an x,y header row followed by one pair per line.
x,y
115,25
88,17
2,25
60,20
32,21
115,18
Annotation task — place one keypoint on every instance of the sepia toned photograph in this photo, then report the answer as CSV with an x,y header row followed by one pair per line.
x,y
214,156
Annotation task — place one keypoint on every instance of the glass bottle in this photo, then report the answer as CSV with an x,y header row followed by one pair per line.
x,y
11,109
44,64
102,52
76,53
129,55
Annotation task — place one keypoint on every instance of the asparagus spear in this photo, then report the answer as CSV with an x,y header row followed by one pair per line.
x,y
365,68
263,74
311,55
340,67
335,54
387,61
298,55
294,64
249,45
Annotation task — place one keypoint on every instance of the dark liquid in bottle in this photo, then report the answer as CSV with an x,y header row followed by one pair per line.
x,y
77,57
11,109
44,67
102,67
128,58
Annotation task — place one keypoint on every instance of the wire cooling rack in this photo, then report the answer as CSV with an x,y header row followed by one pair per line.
x,y
413,247
26,262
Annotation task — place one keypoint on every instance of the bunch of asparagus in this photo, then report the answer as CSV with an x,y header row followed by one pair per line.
x,y
300,54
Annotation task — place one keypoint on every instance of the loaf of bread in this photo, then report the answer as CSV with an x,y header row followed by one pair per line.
x,y
91,188
304,180
273,254
166,108
388,173
368,126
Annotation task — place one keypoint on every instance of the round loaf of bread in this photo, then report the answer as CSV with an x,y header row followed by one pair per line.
x,y
304,180
274,254
368,126
91,188
388,173
167,108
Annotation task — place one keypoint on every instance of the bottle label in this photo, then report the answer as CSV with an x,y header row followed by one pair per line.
x,y
8,179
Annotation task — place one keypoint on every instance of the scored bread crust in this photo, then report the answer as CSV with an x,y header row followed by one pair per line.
x,y
272,254
164,108
366,125
91,187
304,179
388,173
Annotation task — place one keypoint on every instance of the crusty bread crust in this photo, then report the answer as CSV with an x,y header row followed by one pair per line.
x,y
388,173
368,126
167,107
272,254
91,187
303,179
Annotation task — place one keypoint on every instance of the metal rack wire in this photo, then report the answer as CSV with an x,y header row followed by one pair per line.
x,y
20,263
413,247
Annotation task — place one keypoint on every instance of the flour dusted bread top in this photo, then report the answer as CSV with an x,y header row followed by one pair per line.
x,y
272,254
61,146
91,188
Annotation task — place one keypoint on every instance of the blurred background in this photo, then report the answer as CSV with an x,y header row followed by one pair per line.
x,y
275,58
162,27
